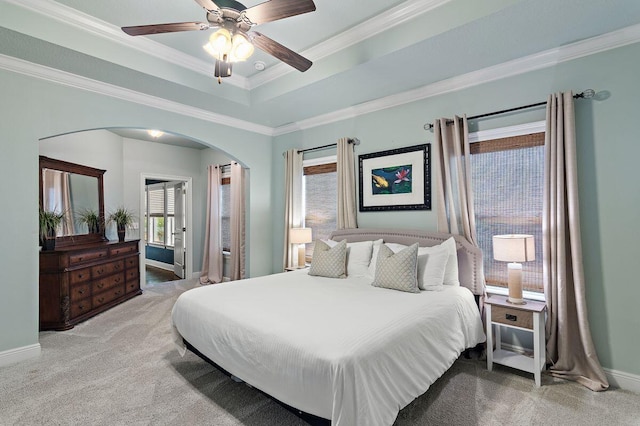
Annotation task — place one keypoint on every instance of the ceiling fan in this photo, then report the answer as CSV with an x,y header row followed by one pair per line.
x,y
233,42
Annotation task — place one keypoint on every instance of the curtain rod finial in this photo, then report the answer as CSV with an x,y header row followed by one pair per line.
x,y
355,141
587,94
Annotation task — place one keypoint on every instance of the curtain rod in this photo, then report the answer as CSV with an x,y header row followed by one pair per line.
x,y
354,141
589,93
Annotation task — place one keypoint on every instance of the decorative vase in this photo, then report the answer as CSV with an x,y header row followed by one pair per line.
x,y
49,241
121,232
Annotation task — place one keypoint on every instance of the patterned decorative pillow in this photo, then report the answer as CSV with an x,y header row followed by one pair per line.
x,y
397,271
330,262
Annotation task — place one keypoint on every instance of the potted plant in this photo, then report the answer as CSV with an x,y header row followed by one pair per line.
x,y
49,223
91,218
123,219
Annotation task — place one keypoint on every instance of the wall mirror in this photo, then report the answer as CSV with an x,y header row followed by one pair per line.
x,y
73,189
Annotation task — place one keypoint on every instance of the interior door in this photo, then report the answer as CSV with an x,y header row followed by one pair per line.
x,y
179,229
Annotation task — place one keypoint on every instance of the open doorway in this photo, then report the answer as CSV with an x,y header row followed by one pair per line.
x,y
165,229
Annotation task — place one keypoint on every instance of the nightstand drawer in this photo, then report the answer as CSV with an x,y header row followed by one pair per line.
x,y
512,316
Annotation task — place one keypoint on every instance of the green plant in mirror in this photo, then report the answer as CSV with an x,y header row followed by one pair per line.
x,y
90,218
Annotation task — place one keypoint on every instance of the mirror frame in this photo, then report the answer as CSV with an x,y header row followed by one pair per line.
x,y
65,166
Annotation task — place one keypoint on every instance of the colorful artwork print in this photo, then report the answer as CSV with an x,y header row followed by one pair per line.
x,y
391,180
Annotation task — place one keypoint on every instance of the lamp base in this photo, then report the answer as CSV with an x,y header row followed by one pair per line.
x,y
301,255
521,302
514,282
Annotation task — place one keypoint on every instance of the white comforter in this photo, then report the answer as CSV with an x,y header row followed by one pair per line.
x,y
337,348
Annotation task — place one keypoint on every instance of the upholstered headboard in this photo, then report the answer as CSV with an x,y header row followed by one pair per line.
x,y
469,256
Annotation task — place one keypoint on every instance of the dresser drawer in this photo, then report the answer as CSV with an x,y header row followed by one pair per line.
x,y
80,291
87,256
107,269
131,262
107,296
108,283
512,316
79,276
132,286
131,274
80,307
116,251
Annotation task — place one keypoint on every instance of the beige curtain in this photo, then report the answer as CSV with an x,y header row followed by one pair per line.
x,y
212,259
292,203
346,185
237,260
569,344
57,198
454,193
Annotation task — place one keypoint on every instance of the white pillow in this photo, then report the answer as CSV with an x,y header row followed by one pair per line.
x,y
451,269
374,258
358,257
431,268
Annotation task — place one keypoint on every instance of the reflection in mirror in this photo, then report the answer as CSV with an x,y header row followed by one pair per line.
x,y
72,194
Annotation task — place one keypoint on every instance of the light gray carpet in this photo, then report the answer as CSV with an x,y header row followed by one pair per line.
x,y
121,368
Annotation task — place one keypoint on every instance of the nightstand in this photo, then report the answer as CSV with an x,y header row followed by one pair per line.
x,y
528,317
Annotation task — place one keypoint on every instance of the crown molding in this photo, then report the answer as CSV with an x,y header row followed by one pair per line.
x,y
545,59
78,82
383,22
88,23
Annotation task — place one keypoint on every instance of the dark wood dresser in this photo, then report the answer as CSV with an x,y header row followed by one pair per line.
x,y
80,281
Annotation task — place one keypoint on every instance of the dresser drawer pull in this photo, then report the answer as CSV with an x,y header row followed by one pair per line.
x,y
80,259
511,317
80,291
101,300
116,266
99,271
100,285
80,276
117,293
80,307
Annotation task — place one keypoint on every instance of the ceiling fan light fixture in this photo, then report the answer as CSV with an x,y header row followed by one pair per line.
x,y
242,48
220,43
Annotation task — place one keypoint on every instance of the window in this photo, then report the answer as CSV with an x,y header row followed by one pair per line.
x,y
508,179
225,213
320,200
159,214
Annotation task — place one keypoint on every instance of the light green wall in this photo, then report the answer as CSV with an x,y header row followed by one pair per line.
x,y
608,152
31,109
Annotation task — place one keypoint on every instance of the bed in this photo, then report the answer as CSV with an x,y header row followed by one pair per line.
x,y
338,349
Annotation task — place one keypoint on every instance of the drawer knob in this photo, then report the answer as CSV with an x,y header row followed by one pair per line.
x,y
80,291
510,317
100,285
101,300
81,307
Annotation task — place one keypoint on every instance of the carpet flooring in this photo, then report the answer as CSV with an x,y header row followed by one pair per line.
x,y
121,368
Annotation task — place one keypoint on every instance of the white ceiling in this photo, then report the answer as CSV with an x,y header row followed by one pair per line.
x,y
366,54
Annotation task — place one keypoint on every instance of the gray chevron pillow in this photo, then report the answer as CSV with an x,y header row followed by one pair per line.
x,y
397,271
330,262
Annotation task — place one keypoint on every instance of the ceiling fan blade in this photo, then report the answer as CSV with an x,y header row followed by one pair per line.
x,y
277,50
208,4
165,28
278,9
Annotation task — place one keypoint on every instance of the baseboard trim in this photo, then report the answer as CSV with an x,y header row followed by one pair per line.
x,y
159,265
622,380
616,379
23,353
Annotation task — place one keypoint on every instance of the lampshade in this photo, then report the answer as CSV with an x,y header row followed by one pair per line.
x,y
300,235
514,248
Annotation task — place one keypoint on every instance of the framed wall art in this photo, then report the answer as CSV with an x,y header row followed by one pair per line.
x,y
397,179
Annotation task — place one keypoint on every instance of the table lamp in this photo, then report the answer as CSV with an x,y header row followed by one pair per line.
x,y
514,249
300,236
